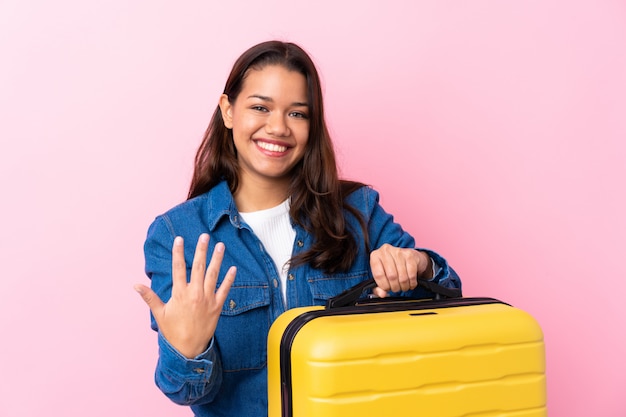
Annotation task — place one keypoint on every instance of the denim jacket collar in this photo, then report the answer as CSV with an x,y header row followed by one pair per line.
x,y
221,204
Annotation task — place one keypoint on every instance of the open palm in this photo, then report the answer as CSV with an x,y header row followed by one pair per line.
x,y
189,318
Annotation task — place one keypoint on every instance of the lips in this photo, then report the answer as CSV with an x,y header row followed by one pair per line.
x,y
272,147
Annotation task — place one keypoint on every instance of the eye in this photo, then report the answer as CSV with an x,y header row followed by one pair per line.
x,y
298,115
259,108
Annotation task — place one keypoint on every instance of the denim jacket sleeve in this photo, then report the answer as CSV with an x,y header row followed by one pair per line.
x,y
383,229
185,381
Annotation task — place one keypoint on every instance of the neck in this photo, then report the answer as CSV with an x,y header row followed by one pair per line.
x,y
258,195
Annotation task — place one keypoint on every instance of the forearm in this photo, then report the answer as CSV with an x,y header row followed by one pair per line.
x,y
188,381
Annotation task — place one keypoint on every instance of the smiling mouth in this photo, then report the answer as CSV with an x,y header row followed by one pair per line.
x,y
272,147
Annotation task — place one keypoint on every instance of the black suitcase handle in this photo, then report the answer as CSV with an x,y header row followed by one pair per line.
x,y
350,296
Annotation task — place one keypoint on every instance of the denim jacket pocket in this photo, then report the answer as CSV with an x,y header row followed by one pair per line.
x,y
327,286
241,333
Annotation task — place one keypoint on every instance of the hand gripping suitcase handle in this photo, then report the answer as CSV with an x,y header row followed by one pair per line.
x,y
350,296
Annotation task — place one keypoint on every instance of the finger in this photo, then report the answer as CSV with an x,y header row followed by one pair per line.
x,y
407,268
378,273
151,298
390,269
413,268
403,277
179,268
199,261
213,269
222,291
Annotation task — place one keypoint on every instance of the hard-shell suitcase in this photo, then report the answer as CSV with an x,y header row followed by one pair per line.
x,y
448,357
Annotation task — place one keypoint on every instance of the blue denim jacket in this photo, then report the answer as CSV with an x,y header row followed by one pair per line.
x,y
229,378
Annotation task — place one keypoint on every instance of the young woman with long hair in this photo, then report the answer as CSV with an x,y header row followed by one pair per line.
x,y
274,227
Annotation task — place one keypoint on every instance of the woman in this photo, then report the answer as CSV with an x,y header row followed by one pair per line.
x,y
284,230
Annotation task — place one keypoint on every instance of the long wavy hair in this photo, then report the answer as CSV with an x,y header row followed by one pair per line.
x,y
317,194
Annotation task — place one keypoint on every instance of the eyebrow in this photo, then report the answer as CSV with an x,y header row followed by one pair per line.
x,y
271,100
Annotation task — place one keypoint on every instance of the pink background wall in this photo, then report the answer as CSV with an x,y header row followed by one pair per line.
x,y
496,132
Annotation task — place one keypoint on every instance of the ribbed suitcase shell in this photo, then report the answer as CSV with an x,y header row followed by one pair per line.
x,y
445,358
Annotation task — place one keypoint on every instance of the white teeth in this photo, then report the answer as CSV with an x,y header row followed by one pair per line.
x,y
271,147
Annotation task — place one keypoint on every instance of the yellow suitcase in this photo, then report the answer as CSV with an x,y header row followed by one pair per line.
x,y
453,357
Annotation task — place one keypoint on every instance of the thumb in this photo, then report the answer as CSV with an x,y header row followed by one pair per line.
x,y
150,297
379,292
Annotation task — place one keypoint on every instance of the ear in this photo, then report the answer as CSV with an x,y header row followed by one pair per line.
x,y
227,111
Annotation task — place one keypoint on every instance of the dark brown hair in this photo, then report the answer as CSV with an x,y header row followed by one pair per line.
x,y
317,193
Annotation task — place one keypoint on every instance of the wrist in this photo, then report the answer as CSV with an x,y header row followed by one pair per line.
x,y
187,348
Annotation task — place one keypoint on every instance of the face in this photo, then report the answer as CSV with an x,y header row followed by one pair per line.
x,y
270,123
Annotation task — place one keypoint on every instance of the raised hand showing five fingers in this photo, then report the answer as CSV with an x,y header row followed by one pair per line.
x,y
188,320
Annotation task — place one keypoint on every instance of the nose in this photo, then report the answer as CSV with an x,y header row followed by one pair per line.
x,y
277,124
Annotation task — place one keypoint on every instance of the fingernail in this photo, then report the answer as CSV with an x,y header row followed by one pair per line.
x,y
139,289
178,240
219,247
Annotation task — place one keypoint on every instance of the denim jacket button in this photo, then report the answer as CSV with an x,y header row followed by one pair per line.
x,y
275,283
290,277
300,243
232,304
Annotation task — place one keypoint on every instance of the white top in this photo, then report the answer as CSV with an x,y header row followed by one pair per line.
x,y
273,227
